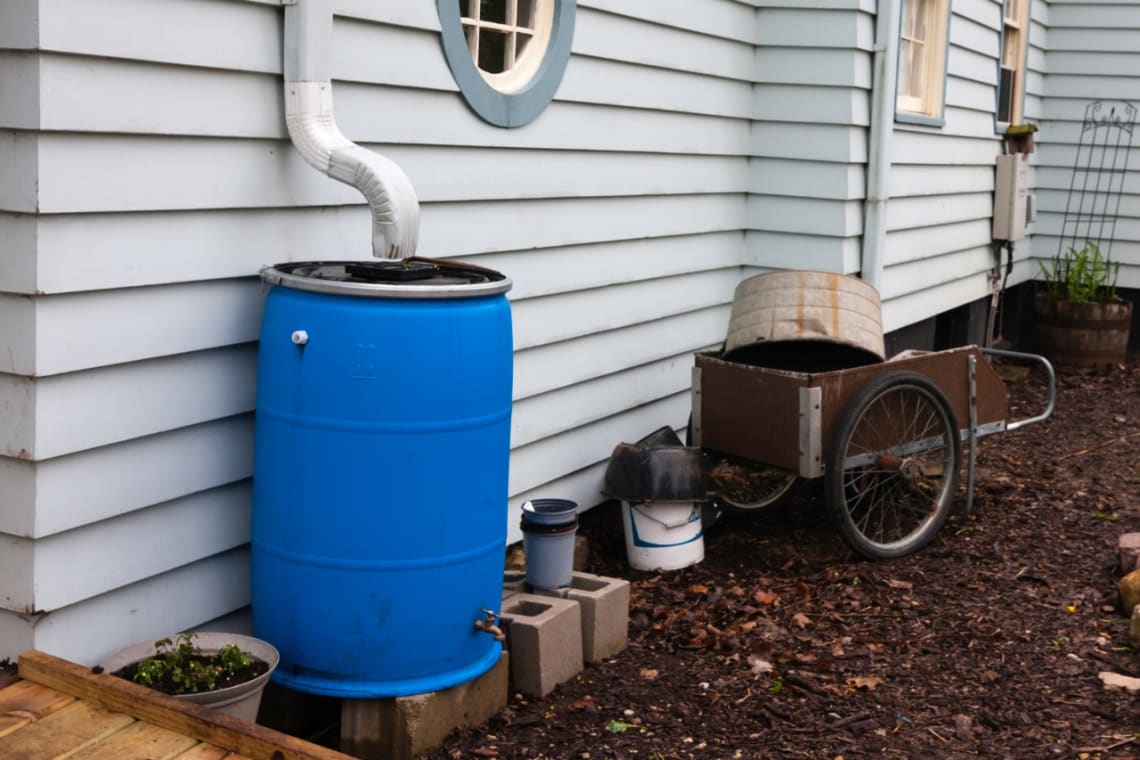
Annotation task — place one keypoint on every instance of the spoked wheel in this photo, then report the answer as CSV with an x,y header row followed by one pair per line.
x,y
892,470
745,487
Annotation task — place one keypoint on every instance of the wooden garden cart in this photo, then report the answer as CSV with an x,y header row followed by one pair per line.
x,y
885,437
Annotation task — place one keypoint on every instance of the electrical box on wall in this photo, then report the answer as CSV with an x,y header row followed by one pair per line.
x,y
1011,197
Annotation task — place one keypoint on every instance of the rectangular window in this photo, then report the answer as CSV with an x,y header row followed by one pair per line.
x,y
922,58
1011,82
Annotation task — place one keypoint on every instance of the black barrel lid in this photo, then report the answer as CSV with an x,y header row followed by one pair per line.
x,y
411,278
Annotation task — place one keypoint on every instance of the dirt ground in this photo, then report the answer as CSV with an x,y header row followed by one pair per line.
x,y
781,644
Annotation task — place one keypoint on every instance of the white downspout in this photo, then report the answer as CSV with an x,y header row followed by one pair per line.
x,y
313,130
879,141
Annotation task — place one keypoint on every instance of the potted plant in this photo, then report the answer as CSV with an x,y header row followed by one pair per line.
x,y
225,671
1081,321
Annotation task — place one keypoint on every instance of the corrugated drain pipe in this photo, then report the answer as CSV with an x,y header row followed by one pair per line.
x,y
313,130
879,141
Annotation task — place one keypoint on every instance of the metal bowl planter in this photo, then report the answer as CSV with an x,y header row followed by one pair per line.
x,y
241,701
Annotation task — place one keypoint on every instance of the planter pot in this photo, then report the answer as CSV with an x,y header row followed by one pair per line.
x,y
240,701
1082,334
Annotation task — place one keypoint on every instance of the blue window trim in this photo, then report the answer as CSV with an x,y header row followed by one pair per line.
x,y
998,128
904,117
498,108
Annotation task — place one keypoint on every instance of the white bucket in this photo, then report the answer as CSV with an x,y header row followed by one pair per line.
x,y
663,535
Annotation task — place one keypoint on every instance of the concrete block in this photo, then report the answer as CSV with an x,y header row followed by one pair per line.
x,y
1129,552
605,613
544,636
514,582
403,728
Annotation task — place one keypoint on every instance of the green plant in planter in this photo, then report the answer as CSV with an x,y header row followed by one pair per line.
x,y
182,668
1083,276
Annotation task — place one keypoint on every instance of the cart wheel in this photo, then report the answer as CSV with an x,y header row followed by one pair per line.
x,y
892,470
776,488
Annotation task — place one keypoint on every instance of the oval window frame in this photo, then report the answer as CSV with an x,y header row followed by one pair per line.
x,y
524,104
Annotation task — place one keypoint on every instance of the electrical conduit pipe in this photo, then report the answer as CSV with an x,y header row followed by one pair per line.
x,y
314,132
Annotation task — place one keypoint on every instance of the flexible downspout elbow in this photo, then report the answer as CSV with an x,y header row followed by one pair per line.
x,y
314,132
879,141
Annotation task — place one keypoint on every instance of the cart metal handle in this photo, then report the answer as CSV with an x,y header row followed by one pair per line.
x,y
1052,384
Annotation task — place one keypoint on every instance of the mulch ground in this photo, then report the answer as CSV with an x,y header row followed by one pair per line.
x,y
782,644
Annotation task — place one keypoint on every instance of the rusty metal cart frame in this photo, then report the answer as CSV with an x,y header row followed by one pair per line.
x,y
885,437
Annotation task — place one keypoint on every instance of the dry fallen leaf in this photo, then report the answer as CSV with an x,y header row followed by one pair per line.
x,y
698,588
759,665
764,597
585,703
900,584
649,674
865,682
801,620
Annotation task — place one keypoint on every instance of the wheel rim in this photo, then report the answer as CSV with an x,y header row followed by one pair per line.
x,y
750,486
899,468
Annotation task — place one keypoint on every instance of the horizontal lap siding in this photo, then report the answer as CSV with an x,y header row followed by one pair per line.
x,y
809,137
161,181
1094,53
938,253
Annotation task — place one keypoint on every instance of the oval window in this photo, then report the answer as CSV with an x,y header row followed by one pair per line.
x,y
507,56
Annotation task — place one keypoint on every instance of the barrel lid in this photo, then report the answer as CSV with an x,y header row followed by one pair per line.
x,y
404,278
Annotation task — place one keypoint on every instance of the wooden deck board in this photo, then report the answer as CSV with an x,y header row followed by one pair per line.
x,y
76,726
138,741
62,709
24,702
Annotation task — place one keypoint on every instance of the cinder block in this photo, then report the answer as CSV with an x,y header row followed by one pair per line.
x,y
605,613
1129,552
544,636
514,582
403,728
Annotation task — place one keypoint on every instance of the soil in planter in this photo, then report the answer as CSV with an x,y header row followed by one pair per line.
x,y
168,686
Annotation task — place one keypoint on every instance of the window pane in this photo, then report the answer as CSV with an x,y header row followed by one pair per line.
x,y
914,19
492,51
521,41
493,10
1009,46
526,13
1012,11
911,69
465,8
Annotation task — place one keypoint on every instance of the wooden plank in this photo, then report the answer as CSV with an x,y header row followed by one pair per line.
x,y
161,710
750,413
839,67
208,33
209,752
717,18
18,182
138,741
177,600
813,142
174,533
815,28
83,410
609,36
811,104
102,483
76,726
24,702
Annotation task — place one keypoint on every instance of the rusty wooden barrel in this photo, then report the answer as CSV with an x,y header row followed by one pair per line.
x,y
1082,334
805,321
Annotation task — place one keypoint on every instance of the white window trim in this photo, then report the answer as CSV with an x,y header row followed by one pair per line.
x,y
1015,26
928,106
520,71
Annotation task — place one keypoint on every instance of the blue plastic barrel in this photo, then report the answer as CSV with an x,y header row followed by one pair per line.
x,y
380,474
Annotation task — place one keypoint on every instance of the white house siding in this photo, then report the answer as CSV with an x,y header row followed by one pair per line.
x,y
1093,54
938,250
147,177
810,106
